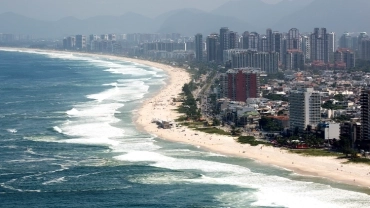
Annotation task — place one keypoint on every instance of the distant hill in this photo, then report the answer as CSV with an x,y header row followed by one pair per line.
x,y
239,16
335,15
258,13
190,22
186,21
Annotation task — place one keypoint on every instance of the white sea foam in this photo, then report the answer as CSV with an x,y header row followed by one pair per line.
x,y
144,156
270,191
57,129
54,181
13,131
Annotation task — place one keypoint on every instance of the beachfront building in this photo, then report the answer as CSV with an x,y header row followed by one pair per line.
x,y
365,114
80,42
304,108
243,84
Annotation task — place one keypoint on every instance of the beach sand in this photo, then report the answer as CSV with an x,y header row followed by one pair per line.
x,y
160,106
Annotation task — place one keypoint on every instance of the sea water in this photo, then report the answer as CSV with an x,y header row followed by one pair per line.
x,y
67,140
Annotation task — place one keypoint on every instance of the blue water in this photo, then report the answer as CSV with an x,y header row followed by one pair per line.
x,y
67,140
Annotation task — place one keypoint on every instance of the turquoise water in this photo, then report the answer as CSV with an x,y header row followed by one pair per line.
x,y
67,140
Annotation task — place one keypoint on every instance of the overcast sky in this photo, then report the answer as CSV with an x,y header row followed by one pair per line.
x,y
57,9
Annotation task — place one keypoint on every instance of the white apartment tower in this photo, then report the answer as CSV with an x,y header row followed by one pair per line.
x,y
306,47
304,108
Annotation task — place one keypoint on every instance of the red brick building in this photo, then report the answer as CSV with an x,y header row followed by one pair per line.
x,y
243,84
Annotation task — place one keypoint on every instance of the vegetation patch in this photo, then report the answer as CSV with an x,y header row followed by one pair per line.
x,y
359,160
251,141
316,152
213,131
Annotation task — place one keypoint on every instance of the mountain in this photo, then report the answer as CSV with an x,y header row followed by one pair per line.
x,y
191,21
336,15
129,22
52,10
258,13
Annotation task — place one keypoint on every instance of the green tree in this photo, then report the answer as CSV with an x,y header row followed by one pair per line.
x,y
339,97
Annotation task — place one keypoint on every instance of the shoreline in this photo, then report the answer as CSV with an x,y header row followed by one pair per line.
x,y
159,105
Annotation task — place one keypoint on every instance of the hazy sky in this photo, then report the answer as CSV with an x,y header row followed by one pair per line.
x,y
57,9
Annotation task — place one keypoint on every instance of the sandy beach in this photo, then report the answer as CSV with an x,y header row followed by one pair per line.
x,y
160,106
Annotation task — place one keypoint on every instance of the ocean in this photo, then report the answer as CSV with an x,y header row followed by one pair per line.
x,y
67,140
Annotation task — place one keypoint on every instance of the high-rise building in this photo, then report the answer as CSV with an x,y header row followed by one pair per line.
x,y
365,114
80,42
104,37
212,47
224,41
263,44
360,38
246,40
276,42
243,84
199,47
233,40
69,43
331,46
319,45
304,108
240,58
364,49
351,130
269,36
254,38
112,37
347,56
294,39
345,41
294,60
306,47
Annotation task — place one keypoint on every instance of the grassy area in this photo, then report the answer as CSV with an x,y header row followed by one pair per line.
x,y
359,160
213,131
251,141
316,152
181,119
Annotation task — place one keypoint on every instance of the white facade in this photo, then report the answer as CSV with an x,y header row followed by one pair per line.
x,y
333,131
304,108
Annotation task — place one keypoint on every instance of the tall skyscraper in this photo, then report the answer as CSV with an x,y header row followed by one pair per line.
x,y
199,47
246,40
212,47
233,40
276,42
365,114
269,36
294,40
345,41
263,44
224,41
319,45
331,46
254,41
306,47
304,108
